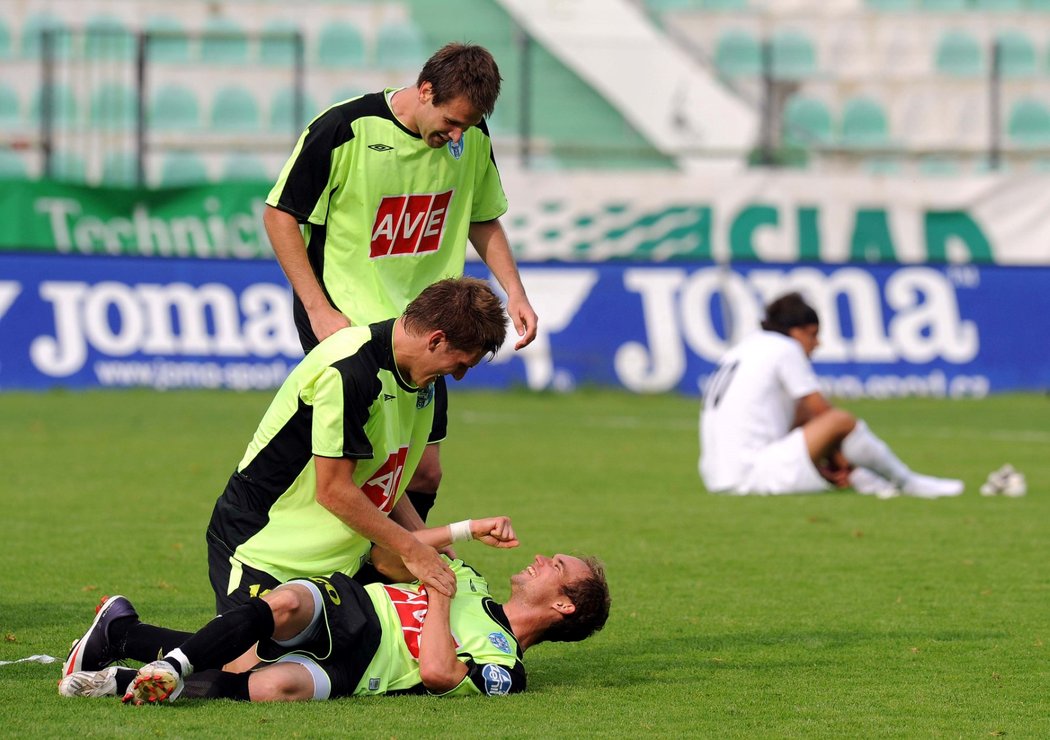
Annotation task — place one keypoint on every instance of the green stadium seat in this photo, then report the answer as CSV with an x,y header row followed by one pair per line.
x,y
807,122
738,54
167,41
224,42
346,93
400,46
894,6
1017,57
1003,6
234,109
181,168
33,30
10,108
731,5
958,54
106,37
1029,123
944,6
277,45
939,166
793,55
244,167
341,44
12,165
659,6
282,112
174,108
69,167
114,107
120,169
863,124
64,106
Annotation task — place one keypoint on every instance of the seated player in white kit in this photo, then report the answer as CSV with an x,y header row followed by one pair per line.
x,y
765,428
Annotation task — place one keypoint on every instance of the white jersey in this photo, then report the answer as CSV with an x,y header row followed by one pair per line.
x,y
749,403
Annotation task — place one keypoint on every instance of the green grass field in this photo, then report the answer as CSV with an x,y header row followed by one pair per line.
x,y
812,616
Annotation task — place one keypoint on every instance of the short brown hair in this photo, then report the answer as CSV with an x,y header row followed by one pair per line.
x,y
787,312
590,596
463,69
466,309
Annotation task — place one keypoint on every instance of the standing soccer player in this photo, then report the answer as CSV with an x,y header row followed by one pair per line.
x,y
379,199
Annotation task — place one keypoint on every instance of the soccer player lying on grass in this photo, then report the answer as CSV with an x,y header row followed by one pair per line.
x,y
329,637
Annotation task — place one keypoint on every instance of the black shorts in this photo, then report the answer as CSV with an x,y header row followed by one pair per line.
x,y
346,638
253,582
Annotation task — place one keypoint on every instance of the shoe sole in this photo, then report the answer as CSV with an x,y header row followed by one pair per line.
x,y
74,661
150,689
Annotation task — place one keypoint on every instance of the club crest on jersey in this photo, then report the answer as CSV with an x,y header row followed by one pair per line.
x,y
455,148
500,642
497,680
425,396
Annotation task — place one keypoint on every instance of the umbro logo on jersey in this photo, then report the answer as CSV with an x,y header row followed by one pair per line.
x,y
381,147
388,397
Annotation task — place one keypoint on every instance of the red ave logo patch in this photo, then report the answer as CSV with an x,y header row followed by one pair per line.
x,y
409,224
382,486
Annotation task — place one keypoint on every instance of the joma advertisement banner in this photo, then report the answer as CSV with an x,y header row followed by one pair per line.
x,y
580,217
84,322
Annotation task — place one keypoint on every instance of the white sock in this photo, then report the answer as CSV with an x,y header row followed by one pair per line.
x,y
862,447
179,662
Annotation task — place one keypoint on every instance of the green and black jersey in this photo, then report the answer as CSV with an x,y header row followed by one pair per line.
x,y
384,215
345,399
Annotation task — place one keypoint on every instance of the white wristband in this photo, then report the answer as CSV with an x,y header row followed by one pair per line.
x,y
460,531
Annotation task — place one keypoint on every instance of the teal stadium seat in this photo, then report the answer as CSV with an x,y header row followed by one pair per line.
x,y
863,124
120,169
659,6
1029,123
174,108
68,167
939,166
730,5
114,107
234,109
1001,6
244,167
807,122
341,44
12,166
10,108
277,44
793,55
944,6
1017,57
345,93
32,32
64,107
958,54
400,46
738,54
282,112
106,37
892,6
167,41
224,42
5,40
180,168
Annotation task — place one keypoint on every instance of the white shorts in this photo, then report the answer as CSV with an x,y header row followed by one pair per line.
x,y
783,466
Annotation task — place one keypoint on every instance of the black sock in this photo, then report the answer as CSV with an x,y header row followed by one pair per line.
x,y
423,501
216,684
229,635
144,642
124,678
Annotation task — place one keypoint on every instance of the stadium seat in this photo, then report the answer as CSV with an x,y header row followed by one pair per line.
x,y
5,40
12,165
939,166
114,107
807,121
174,107
1029,123
944,6
63,102
241,166
659,6
277,45
106,37
340,44
884,165
1017,57
400,46
1004,6
167,40
33,30
234,109
282,112
181,168
958,54
794,57
119,169
725,5
68,167
738,54
10,108
223,42
863,124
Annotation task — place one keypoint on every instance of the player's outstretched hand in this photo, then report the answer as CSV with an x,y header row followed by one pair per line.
x,y
427,566
495,531
524,318
326,321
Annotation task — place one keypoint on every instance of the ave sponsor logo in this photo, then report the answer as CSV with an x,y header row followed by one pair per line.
x,y
409,224
381,487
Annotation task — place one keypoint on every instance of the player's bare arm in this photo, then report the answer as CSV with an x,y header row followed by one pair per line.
x,y
490,242
439,670
290,250
337,493
495,531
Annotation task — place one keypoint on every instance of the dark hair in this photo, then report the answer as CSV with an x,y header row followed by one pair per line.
x,y
465,308
463,69
590,596
787,312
